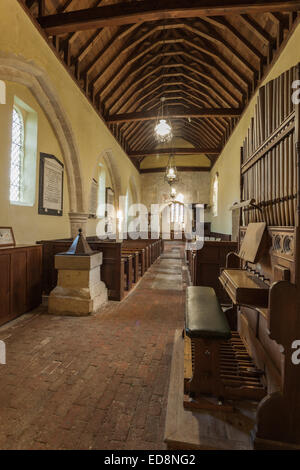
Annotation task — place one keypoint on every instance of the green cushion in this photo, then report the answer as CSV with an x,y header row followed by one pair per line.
x,y
204,317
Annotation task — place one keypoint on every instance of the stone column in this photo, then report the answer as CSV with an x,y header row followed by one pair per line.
x,y
78,220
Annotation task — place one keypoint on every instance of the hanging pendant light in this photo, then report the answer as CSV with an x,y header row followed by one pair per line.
x,y
163,129
173,193
171,175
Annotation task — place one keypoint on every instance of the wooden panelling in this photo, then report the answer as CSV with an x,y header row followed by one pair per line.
x,y
34,275
4,287
18,282
20,287
208,262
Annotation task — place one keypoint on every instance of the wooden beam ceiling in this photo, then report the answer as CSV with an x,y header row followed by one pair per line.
x,y
206,57
141,11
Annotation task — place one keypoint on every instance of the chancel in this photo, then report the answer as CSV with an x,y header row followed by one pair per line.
x,y
149,226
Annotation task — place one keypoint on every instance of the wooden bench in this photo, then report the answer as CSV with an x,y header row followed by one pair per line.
x,y
135,262
153,249
217,364
128,270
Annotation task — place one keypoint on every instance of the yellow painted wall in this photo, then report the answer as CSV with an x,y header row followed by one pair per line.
x,y
27,224
158,161
184,160
228,164
21,39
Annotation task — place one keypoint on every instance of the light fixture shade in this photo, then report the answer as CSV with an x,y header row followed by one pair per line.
x,y
163,131
173,193
171,175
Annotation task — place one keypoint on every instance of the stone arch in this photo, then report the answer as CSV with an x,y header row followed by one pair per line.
x,y
16,69
113,170
134,189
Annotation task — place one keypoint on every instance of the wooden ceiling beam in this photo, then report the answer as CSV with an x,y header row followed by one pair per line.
x,y
145,171
212,66
141,11
192,91
176,113
206,49
213,36
222,23
217,86
190,100
199,92
203,138
175,151
129,61
257,30
191,46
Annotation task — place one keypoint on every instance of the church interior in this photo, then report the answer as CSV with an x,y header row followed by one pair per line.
x,y
149,225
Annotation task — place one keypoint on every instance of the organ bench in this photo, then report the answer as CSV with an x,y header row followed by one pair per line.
x,y
218,367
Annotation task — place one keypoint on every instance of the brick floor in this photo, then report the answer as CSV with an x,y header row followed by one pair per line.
x,y
99,382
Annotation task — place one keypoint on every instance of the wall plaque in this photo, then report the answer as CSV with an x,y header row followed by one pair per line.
x,y
51,185
7,237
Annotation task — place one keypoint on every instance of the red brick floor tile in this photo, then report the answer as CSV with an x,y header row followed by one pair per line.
x,y
98,382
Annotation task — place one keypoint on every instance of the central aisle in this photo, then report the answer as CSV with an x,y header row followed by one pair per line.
x,y
99,382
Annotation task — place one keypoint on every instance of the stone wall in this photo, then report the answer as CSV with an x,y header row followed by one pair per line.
x,y
194,186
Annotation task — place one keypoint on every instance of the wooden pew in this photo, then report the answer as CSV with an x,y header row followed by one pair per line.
x,y
128,263
153,249
136,263
205,265
123,262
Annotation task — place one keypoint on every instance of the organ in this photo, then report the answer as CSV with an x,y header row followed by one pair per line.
x,y
262,280
255,365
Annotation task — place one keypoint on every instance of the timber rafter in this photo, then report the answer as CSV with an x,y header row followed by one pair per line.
x,y
205,57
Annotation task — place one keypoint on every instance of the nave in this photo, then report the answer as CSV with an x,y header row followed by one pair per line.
x,y
97,382
125,126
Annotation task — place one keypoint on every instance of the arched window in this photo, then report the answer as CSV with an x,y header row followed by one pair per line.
x,y
177,212
215,195
17,156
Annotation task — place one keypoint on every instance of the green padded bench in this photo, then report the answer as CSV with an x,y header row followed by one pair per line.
x,y
207,327
204,317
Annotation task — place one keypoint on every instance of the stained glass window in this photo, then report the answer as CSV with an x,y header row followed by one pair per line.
x,y
17,155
